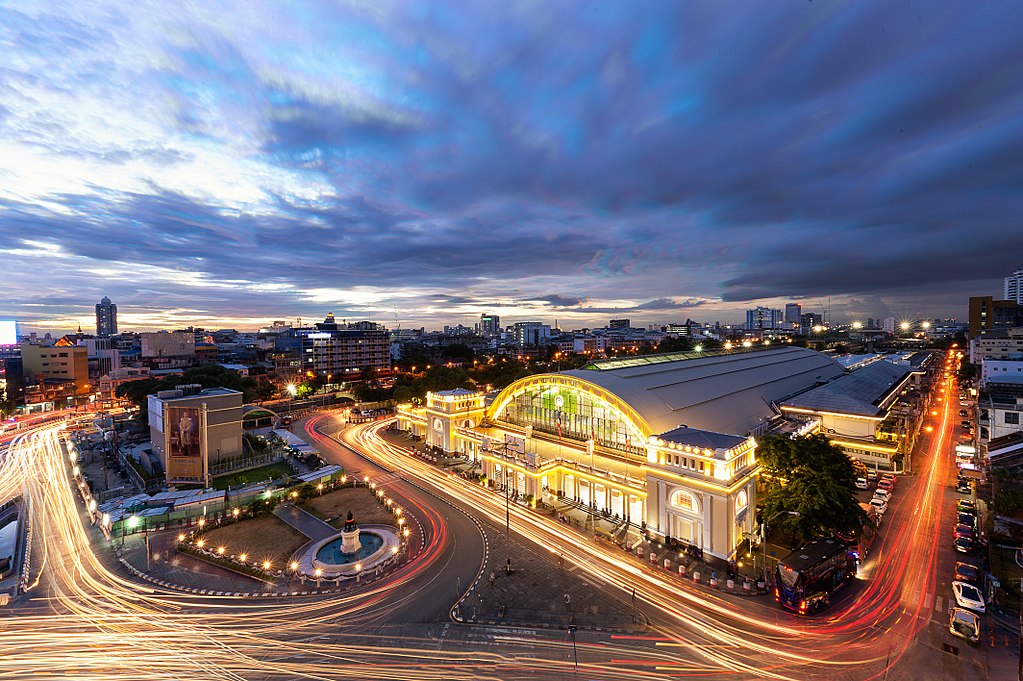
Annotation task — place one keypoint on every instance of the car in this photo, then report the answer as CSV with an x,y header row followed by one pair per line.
x,y
890,477
963,545
963,531
885,485
967,506
964,624
965,572
963,412
965,424
879,505
871,475
966,519
963,487
861,483
968,596
883,494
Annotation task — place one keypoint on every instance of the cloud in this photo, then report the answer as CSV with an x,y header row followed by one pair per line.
x,y
643,160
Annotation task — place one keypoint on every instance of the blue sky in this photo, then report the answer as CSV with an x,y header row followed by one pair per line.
x,y
230,163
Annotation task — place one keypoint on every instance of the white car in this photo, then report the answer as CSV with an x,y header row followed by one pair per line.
x,y
880,505
968,596
882,494
861,483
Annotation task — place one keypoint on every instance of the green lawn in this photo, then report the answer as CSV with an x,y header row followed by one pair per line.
x,y
274,471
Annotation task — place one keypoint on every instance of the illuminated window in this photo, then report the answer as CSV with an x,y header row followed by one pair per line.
x,y
741,500
680,498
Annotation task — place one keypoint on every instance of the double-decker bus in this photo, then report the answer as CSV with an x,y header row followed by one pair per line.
x,y
807,577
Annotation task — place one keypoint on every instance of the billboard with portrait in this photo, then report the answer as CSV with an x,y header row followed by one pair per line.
x,y
183,430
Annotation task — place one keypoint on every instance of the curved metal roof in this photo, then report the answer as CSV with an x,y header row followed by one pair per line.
x,y
727,393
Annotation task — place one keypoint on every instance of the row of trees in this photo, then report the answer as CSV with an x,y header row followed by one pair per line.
x,y
208,376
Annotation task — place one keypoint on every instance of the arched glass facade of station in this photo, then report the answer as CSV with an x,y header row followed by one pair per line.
x,y
571,408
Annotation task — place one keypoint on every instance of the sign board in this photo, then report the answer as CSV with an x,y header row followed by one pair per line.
x,y
966,449
515,443
8,332
155,412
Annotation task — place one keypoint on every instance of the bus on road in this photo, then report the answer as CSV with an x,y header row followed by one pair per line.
x,y
807,577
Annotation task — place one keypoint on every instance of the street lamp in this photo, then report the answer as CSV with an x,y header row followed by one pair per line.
x,y
763,535
292,391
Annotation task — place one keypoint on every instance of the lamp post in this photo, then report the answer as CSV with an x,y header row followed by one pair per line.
x,y
292,391
763,536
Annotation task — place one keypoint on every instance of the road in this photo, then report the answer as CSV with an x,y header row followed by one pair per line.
x,y
85,619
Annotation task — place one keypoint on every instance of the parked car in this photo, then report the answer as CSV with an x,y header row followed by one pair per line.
x,y
963,412
963,531
968,596
880,505
965,572
882,494
963,487
964,624
967,506
967,519
871,474
964,545
861,483
885,485
890,477
965,424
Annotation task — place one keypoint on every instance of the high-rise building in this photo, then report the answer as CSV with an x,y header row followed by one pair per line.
x,y
620,324
762,318
531,333
106,318
490,325
1014,287
888,325
792,312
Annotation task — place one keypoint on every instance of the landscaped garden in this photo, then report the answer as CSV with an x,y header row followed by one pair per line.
x,y
263,539
334,506
276,471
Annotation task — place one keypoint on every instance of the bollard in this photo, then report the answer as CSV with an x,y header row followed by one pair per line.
x,y
639,550
760,584
747,585
696,577
653,557
713,583
730,584
667,564
681,570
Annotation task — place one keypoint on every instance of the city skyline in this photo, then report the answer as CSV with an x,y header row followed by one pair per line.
x,y
405,162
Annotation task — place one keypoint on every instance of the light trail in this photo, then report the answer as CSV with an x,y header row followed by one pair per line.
x,y
100,625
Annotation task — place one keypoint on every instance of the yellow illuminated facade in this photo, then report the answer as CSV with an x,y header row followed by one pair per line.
x,y
564,440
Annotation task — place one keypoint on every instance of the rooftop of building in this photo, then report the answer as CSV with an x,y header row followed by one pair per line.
x,y
704,439
186,395
720,392
859,392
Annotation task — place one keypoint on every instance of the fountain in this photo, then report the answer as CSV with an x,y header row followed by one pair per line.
x,y
350,535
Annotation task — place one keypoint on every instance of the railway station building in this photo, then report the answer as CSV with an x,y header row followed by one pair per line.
x,y
664,442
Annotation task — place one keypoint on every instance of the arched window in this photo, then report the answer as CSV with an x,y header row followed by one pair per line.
x,y
680,498
741,500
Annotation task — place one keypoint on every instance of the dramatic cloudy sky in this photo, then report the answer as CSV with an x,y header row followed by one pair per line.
x,y
225,163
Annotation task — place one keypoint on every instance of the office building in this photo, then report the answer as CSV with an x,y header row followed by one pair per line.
x,y
490,325
106,318
343,351
531,334
194,429
763,318
993,318
166,347
1013,289
53,372
1008,347
620,324
792,314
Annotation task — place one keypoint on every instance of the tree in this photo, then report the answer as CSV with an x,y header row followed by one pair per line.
x,y
811,477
